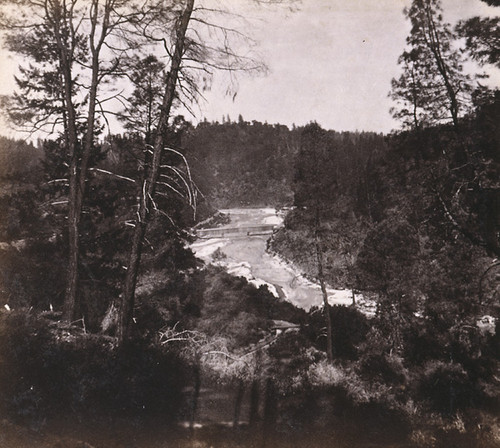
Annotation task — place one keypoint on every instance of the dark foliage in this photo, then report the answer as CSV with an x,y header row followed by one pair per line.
x,y
19,163
51,371
242,164
447,387
349,326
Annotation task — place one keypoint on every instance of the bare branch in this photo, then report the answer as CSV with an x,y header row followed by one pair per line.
x,y
99,170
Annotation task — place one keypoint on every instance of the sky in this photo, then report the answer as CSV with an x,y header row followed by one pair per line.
x,y
329,61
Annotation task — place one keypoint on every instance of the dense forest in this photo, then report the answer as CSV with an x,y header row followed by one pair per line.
x,y
111,330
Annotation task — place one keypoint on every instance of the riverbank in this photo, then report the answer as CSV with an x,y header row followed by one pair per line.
x,y
247,256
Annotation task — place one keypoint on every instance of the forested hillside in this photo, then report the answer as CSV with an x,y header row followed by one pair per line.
x,y
20,163
242,164
252,164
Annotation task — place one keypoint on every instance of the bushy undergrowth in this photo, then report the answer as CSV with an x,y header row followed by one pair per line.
x,y
349,330
51,371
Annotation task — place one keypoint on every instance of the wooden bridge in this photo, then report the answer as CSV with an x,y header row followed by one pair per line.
x,y
224,232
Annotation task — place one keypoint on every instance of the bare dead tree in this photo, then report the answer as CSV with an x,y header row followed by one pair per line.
x,y
146,202
196,46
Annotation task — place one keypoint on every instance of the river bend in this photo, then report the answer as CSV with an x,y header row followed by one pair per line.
x,y
245,255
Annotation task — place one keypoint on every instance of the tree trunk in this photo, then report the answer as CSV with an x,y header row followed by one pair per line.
x,y
148,187
254,403
435,45
71,140
78,167
237,405
321,278
270,411
69,305
195,398
77,193
127,304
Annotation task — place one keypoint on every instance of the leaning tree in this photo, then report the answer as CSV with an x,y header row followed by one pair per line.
x,y
195,41
433,87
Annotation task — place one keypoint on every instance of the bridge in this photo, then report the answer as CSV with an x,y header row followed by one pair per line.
x,y
224,232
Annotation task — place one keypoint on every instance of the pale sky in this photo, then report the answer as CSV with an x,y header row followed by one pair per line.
x,y
329,60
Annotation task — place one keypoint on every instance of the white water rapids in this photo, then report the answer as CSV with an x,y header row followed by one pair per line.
x,y
246,256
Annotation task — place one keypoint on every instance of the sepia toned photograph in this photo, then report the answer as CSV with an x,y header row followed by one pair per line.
x,y
249,223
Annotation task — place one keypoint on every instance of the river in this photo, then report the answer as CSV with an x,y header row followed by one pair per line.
x,y
245,255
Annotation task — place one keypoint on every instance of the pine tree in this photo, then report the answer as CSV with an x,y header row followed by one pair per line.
x,y
433,87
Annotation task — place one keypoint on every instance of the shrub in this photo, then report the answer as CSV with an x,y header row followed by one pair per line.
x,y
383,367
49,370
446,387
31,276
349,330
